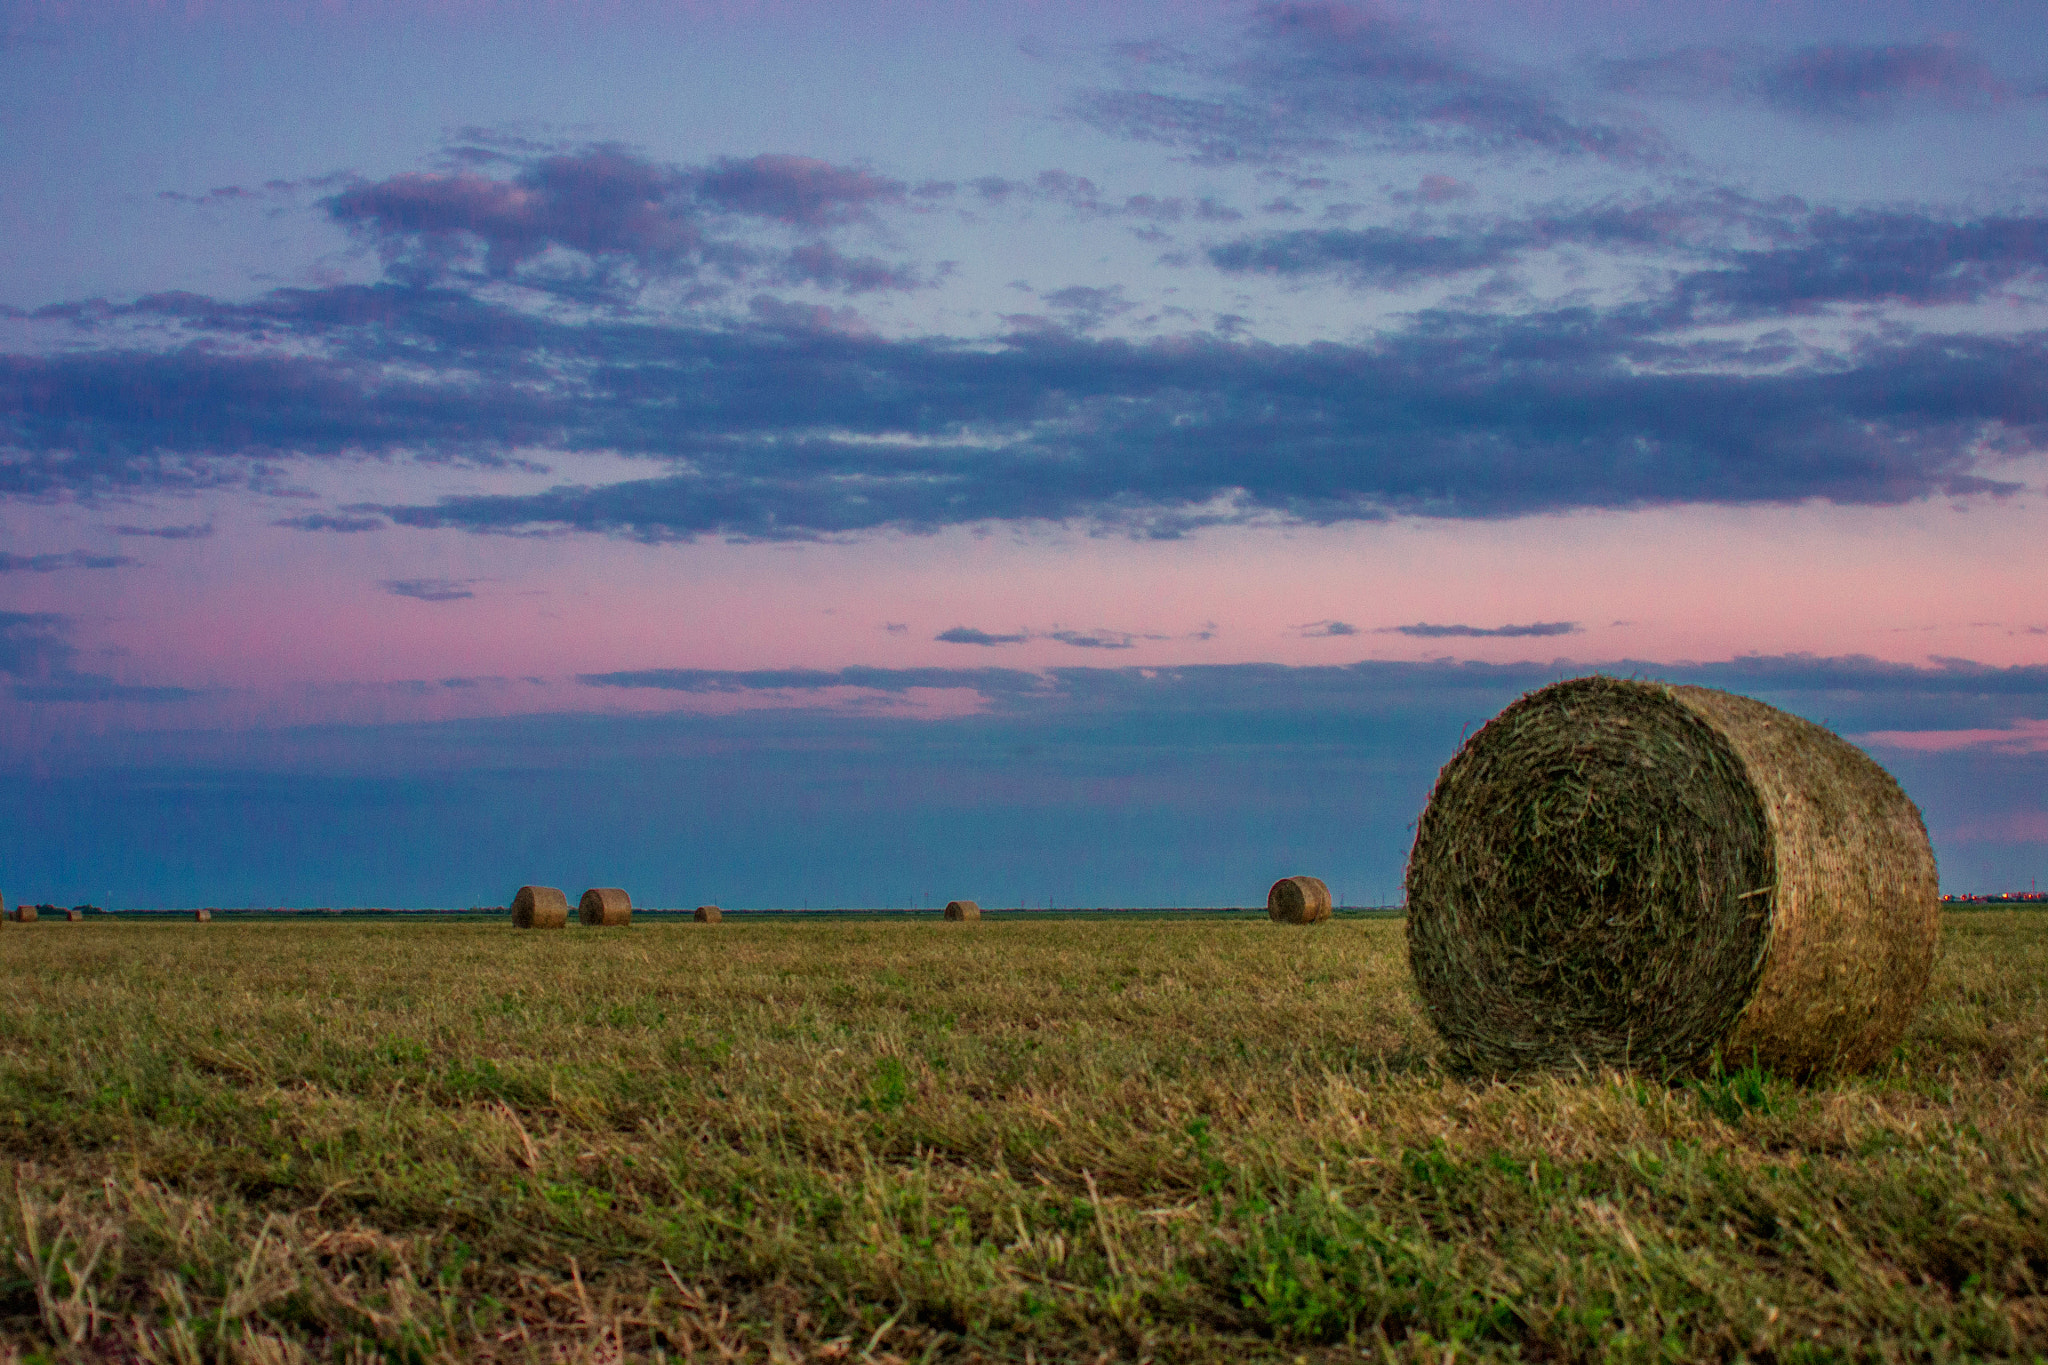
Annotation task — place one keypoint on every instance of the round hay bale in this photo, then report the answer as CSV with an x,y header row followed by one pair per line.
x,y
1298,900
24,914
1632,874
539,907
604,907
962,910
709,914
74,915
203,916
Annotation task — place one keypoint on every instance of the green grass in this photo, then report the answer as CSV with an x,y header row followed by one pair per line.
x,y
1183,1140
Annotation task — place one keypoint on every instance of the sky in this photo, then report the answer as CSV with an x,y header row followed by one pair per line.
x,y
1050,453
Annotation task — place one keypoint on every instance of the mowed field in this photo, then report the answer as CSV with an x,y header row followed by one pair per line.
x,y
1033,1141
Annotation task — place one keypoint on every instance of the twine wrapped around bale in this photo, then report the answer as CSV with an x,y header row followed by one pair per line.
x,y
605,907
709,914
1632,874
539,907
1298,900
962,910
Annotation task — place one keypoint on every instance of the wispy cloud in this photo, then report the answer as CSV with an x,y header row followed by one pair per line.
x,y
1317,77
196,531
1424,631
68,559
430,589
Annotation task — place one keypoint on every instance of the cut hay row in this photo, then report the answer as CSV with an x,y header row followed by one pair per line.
x,y
1617,873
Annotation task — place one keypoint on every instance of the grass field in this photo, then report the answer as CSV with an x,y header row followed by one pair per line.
x,y
1039,1141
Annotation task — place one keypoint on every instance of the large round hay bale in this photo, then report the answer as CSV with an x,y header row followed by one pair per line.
x,y
962,910
203,916
605,906
709,914
1631,874
539,907
1298,900
24,914
74,915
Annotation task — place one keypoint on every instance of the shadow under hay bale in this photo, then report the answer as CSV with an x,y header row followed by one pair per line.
x,y
1631,874
962,910
605,907
1298,900
539,907
709,914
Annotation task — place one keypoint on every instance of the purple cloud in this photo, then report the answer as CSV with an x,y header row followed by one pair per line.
x,y
430,589
968,635
1842,81
618,209
69,559
197,531
1321,76
1424,631
799,190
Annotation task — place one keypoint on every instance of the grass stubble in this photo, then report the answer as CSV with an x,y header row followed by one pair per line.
x,y
1036,1142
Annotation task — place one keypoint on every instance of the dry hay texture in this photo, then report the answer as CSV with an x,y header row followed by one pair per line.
x,y
74,916
539,907
605,907
962,910
1298,900
709,914
1630,874
23,914
203,916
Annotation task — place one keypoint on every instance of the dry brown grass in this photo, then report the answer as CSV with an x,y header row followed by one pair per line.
x,y
1044,1141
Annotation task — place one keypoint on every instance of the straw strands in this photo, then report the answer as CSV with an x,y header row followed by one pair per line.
x,y
1618,873
1298,900
539,907
605,907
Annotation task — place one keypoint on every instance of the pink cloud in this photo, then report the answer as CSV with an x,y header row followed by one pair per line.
x,y
2022,737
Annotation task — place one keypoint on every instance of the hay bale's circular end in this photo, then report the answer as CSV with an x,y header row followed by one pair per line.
x,y
1298,900
709,914
539,907
962,910
1621,873
203,916
605,907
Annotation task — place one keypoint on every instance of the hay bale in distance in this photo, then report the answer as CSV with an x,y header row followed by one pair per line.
x,y
203,916
539,907
1298,900
962,910
605,907
709,914
1617,873
23,914
74,915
